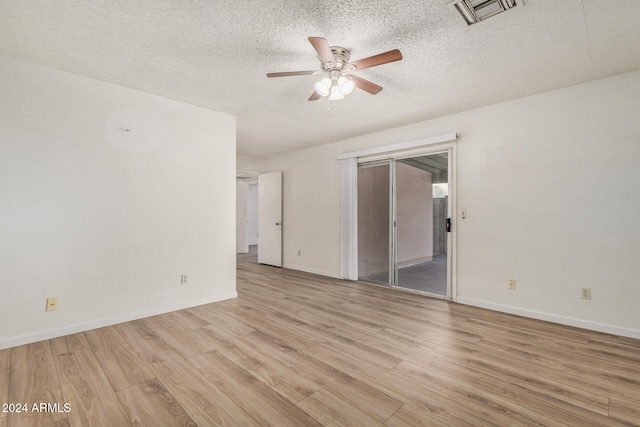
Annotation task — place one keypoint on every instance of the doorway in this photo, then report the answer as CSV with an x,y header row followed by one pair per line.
x,y
403,207
259,216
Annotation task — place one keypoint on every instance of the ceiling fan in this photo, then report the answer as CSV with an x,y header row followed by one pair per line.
x,y
339,79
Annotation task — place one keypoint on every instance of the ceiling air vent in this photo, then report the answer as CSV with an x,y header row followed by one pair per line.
x,y
474,11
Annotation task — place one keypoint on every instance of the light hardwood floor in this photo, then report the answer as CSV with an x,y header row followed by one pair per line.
x,y
296,349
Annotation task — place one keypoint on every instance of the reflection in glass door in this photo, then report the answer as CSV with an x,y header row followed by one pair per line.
x,y
402,217
373,222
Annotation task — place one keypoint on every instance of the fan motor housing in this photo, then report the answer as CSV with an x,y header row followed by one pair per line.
x,y
341,56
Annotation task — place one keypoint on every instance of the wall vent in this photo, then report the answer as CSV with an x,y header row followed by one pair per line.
x,y
474,11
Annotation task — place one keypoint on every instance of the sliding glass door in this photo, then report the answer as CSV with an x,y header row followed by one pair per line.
x,y
402,223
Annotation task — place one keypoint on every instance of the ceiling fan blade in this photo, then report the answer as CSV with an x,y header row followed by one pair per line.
x,y
381,58
291,73
315,96
322,47
366,85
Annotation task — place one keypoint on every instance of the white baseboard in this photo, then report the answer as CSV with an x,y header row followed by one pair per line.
x,y
100,323
569,321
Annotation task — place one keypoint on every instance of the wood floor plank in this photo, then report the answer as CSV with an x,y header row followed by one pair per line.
x,y
339,342
5,366
333,411
335,319
262,321
188,342
61,423
625,410
265,365
491,407
629,342
121,365
569,373
205,403
551,331
410,416
141,338
538,406
150,404
33,380
186,319
68,343
606,352
550,382
358,394
619,381
386,341
213,316
434,402
90,394
264,404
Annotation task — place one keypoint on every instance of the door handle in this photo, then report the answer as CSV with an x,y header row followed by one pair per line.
x,y
447,225
277,223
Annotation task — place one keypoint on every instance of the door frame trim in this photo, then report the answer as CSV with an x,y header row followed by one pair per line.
x,y
401,146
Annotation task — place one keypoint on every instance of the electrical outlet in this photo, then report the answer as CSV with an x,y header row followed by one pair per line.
x,y
512,285
52,304
585,293
184,279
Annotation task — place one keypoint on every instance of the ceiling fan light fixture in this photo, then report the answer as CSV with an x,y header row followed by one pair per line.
x,y
323,87
336,68
346,85
335,93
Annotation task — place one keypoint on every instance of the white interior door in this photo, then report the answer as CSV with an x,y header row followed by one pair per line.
x,y
270,218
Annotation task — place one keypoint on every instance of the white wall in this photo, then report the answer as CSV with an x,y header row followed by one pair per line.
x,y
311,209
106,219
550,184
246,163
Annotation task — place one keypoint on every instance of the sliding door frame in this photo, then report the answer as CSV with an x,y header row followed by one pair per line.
x,y
349,211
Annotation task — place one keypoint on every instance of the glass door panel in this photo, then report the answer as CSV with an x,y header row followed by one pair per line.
x,y
421,190
374,206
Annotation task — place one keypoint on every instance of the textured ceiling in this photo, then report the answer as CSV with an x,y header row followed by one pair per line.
x,y
216,54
